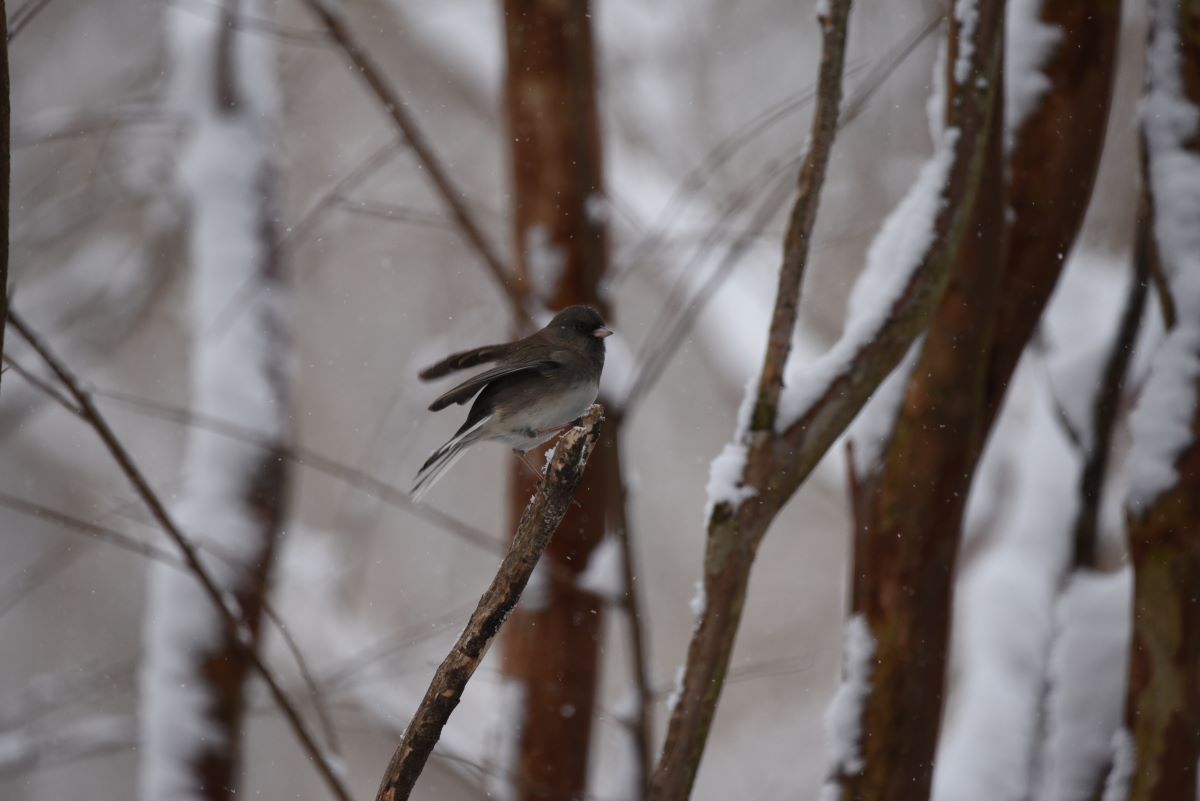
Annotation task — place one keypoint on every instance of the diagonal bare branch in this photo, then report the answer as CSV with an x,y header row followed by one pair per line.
x,y
396,108
190,554
537,525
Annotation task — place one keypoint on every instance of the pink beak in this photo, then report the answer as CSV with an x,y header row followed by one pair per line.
x,y
602,332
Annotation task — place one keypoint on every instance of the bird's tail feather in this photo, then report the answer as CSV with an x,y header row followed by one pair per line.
x,y
444,458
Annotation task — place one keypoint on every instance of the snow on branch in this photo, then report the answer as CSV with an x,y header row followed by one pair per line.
x,y
1028,45
537,525
191,555
843,718
1164,420
234,495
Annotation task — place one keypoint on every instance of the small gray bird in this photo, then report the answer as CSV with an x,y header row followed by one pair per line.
x,y
539,385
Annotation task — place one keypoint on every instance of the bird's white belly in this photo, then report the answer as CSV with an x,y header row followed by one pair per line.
x,y
531,424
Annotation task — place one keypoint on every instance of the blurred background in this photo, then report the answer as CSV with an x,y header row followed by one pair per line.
x,y
214,213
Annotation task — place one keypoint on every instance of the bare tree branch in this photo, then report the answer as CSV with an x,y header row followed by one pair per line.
x,y
673,331
190,554
776,461
22,17
538,524
708,656
351,476
641,721
396,108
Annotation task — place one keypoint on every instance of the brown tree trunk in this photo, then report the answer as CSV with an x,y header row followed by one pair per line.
x,y
777,461
908,511
552,651
1052,168
1162,704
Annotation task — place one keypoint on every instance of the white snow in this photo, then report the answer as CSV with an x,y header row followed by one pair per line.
x,y
597,208
1170,121
873,426
935,104
822,10
843,718
1086,683
1028,45
1162,421
536,596
967,14
830,791
1003,619
603,575
1009,621
698,605
677,691
237,375
725,479
500,782
545,261
1124,763
617,377
895,254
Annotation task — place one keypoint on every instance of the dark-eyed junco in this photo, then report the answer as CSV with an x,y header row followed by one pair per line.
x,y
539,385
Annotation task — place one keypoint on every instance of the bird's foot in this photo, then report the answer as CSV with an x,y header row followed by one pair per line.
x,y
521,455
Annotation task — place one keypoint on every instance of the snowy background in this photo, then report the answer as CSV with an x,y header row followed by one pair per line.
x,y
382,284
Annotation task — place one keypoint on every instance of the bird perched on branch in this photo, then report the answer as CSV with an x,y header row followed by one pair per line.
x,y
540,384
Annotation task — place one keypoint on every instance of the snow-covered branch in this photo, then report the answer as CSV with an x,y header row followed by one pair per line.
x,y
1162,706
234,496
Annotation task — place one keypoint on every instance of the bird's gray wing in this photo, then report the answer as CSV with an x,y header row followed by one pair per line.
x,y
464,359
468,389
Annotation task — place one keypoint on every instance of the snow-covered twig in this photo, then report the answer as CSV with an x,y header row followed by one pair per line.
x,y
187,548
537,525
746,472
666,338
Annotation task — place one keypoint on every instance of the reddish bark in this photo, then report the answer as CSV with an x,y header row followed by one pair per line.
x,y
908,512
553,651
1162,705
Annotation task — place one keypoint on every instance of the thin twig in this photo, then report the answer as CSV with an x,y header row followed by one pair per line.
x,y
250,288
190,554
41,386
25,15
396,108
537,525
360,480
641,721
673,333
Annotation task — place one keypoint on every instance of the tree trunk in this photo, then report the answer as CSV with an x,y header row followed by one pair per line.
x,y
235,494
552,648
5,171
908,510
1162,704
